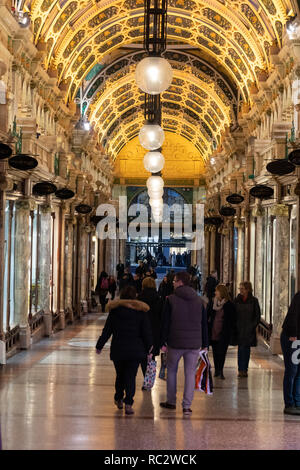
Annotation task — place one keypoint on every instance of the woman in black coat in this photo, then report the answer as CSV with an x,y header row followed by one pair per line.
x,y
129,326
222,327
247,320
150,296
102,289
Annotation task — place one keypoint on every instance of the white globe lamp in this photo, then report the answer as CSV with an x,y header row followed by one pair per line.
x,y
155,184
153,75
151,136
154,162
155,194
156,204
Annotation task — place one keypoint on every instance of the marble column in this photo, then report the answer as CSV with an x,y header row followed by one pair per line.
x,y
240,256
22,262
206,254
45,262
111,256
83,268
226,255
231,255
258,212
281,274
69,268
61,267
246,214
212,263
2,228
122,250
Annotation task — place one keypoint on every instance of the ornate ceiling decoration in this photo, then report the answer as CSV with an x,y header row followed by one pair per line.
x,y
231,39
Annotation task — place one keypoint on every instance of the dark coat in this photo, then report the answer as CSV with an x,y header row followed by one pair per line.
x,y
247,320
184,320
210,286
228,332
130,329
151,298
291,324
112,286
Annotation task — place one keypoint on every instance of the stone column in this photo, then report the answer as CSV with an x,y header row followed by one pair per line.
x,y
122,250
61,267
281,274
240,256
45,261
111,256
226,254
69,268
212,264
258,212
246,214
83,268
206,254
2,228
22,262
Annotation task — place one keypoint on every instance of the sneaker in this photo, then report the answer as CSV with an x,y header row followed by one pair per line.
x,y
119,404
165,404
292,410
187,411
129,410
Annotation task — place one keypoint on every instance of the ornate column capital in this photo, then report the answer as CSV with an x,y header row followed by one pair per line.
x,y
46,208
280,210
258,211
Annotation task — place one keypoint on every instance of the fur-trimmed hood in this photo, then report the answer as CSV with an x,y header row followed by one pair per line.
x,y
128,303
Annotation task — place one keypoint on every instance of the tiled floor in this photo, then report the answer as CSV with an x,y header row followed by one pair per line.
x,y
59,395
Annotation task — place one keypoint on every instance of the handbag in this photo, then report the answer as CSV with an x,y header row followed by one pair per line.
x,y
150,375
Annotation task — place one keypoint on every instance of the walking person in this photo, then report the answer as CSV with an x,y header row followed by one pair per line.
x,y
184,332
102,289
130,344
112,287
247,320
291,381
150,297
222,328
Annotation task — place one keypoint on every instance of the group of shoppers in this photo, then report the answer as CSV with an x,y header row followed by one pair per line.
x,y
142,326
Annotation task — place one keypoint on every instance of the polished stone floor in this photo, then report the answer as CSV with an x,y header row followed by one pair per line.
x,y
59,395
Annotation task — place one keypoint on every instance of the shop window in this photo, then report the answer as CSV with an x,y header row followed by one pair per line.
x,y
252,251
34,278
268,243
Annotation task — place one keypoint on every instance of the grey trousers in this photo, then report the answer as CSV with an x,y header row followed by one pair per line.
x,y
190,358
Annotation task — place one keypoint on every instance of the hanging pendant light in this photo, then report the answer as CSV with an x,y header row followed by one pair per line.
x,y
44,188
151,136
227,211
5,151
83,209
23,162
155,183
280,167
235,198
213,220
64,193
262,191
153,75
294,157
154,162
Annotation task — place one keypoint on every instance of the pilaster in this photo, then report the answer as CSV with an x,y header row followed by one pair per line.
x,y
45,261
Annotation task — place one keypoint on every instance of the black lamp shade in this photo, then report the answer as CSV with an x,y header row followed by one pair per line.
x,y
294,157
227,211
280,167
64,193
261,191
235,198
212,220
96,218
5,151
83,208
44,188
23,162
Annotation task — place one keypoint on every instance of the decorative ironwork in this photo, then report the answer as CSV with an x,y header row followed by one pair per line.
x,y
152,109
155,26
280,167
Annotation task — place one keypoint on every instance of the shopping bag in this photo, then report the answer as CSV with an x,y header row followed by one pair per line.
x,y
163,366
150,374
203,379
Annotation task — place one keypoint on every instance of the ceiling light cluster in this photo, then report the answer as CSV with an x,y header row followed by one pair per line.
x,y
153,76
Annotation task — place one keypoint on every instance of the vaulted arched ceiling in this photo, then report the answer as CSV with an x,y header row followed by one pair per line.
x,y
231,38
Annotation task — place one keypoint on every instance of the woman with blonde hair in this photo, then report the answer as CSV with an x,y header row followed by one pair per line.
x,y
247,320
222,327
150,297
